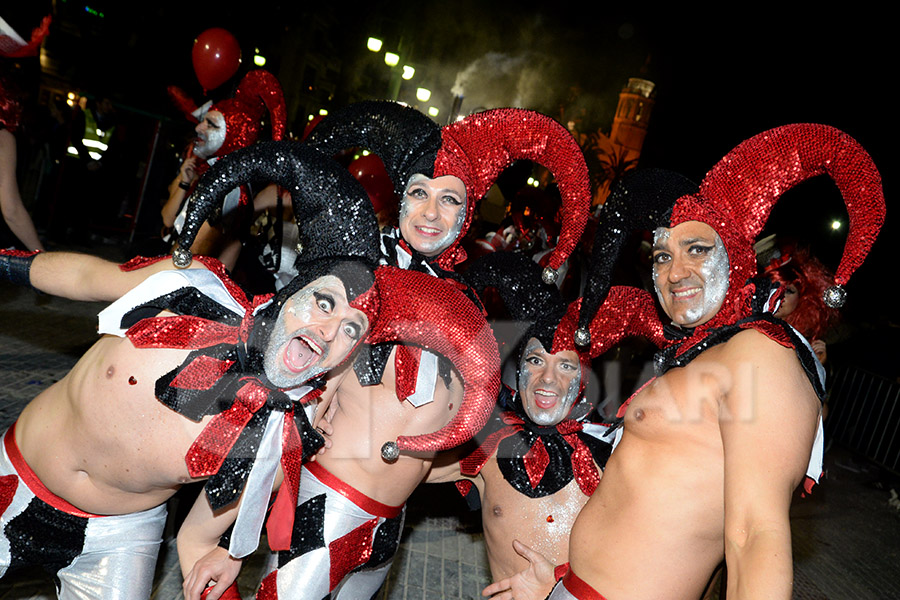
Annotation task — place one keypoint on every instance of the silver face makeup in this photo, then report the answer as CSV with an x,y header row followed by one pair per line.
x,y
715,273
549,384
690,272
210,134
315,331
432,213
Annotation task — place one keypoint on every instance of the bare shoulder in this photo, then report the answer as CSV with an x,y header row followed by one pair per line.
x,y
756,348
768,373
754,340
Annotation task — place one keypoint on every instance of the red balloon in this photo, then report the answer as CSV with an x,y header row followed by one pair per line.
x,y
216,56
370,172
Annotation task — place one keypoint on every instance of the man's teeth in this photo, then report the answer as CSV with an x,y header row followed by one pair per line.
x,y
544,393
686,292
312,345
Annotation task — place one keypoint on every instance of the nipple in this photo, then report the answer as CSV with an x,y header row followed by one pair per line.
x,y
639,415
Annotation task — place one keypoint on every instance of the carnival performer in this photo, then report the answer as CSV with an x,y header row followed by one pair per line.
x,y
403,381
441,174
712,449
222,128
217,377
370,426
540,457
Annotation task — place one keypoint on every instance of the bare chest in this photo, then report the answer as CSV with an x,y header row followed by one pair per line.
x,y
684,402
113,402
542,523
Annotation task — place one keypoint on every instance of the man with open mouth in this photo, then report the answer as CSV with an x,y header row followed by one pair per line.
x,y
540,457
191,380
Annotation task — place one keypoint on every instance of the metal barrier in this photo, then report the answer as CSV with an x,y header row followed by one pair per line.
x,y
864,415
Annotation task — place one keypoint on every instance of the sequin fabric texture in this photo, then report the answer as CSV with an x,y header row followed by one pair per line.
x,y
478,148
440,318
257,92
739,192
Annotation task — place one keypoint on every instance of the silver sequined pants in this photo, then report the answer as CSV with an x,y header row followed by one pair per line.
x,y
93,557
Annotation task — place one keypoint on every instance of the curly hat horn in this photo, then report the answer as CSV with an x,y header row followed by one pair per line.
x,y
478,148
332,209
416,308
527,298
742,188
403,138
641,200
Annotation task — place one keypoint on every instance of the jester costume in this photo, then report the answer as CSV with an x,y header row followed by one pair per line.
x,y
735,199
538,461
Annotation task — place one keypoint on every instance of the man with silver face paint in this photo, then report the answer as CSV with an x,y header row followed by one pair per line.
x,y
524,496
91,504
224,127
432,214
690,272
540,458
714,447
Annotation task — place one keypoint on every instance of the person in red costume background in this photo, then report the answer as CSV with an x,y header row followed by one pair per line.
x,y
805,280
712,449
224,127
12,45
14,213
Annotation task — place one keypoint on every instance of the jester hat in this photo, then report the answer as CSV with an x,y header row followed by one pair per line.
x,y
476,150
337,225
403,138
737,195
259,91
479,147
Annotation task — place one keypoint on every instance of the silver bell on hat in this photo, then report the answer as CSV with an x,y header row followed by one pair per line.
x,y
835,296
390,452
182,257
549,275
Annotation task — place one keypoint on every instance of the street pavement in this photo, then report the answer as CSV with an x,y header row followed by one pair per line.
x,y
846,535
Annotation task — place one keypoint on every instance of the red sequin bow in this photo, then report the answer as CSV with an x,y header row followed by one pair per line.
x,y
215,442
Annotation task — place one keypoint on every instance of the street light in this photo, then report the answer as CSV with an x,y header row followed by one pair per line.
x,y
423,94
835,225
408,72
374,44
258,59
433,111
391,59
